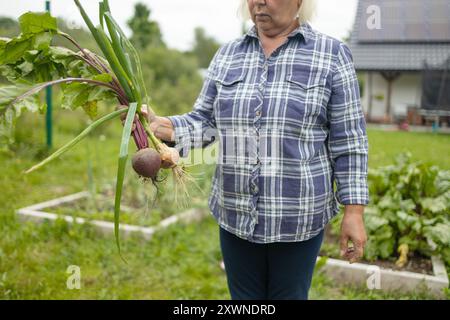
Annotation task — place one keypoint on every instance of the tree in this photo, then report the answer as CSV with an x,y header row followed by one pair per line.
x,y
204,47
172,79
145,31
8,27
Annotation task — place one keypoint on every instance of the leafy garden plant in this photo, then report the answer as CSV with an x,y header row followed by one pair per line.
x,y
409,211
31,63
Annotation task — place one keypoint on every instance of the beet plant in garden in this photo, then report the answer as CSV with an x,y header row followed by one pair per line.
x,y
409,212
31,63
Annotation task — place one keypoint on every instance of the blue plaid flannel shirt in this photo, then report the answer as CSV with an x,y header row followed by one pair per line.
x,y
288,127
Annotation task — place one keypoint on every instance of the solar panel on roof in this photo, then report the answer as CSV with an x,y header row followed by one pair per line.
x,y
405,21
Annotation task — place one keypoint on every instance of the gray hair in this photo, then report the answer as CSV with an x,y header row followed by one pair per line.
x,y
305,13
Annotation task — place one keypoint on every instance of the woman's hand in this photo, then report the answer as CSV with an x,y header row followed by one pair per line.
x,y
161,126
352,229
123,117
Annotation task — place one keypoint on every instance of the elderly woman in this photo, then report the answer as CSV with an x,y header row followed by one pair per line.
x,y
284,101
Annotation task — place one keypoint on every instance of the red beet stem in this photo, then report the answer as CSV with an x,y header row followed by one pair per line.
x,y
143,135
140,136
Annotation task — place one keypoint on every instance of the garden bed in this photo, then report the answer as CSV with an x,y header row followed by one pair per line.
x,y
416,263
407,222
420,273
98,211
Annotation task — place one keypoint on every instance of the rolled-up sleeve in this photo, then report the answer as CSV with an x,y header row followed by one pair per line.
x,y
197,129
348,141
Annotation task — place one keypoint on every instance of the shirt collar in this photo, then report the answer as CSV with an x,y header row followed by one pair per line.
x,y
304,30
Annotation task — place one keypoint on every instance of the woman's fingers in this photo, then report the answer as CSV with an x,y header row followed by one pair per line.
x,y
133,127
352,231
134,123
148,113
144,109
162,129
352,253
123,116
358,251
344,244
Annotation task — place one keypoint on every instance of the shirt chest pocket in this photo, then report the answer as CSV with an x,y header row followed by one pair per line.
x,y
306,97
231,88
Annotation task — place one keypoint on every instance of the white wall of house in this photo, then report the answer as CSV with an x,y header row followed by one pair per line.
x,y
406,90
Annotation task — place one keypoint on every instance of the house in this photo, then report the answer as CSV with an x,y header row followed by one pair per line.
x,y
402,49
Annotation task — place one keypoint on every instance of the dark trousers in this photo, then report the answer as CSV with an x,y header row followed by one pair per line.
x,y
270,271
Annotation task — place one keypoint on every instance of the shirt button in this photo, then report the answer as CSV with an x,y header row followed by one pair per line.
x,y
258,113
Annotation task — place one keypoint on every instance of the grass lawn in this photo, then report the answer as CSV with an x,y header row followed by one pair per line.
x,y
433,148
181,262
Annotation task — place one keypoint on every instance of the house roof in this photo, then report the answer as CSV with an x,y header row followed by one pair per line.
x,y
409,33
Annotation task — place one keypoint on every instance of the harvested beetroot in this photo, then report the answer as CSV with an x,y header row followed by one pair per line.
x,y
146,162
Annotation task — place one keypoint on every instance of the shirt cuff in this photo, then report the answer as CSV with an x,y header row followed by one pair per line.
x,y
353,194
182,134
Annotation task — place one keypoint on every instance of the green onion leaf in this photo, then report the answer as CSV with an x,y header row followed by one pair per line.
x,y
77,139
101,12
123,155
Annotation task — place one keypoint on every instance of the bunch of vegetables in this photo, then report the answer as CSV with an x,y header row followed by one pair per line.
x,y
409,211
31,64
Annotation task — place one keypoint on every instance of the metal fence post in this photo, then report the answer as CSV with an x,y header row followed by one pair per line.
x,y
48,93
